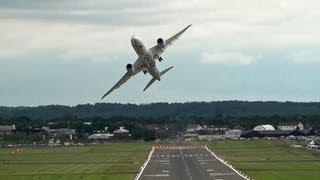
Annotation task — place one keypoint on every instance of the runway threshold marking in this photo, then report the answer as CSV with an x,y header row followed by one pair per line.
x,y
222,174
162,161
206,160
157,175
165,172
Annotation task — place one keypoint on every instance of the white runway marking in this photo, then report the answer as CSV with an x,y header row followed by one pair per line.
x,y
157,175
212,154
145,164
166,161
161,169
221,174
185,165
206,160
185,155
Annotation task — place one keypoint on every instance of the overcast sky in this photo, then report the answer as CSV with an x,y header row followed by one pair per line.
x,y
71,52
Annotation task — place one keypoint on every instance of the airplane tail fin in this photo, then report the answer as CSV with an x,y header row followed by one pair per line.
x,y
153,79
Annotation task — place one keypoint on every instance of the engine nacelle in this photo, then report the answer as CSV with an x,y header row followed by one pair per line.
x,y
161,42
130,68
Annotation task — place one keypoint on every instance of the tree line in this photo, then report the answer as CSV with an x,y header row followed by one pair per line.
x,y
182,110
138,125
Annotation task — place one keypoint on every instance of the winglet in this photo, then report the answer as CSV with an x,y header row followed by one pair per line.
x,y
105,94
183,30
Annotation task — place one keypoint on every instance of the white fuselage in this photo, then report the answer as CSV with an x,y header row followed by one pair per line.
x,y
148,61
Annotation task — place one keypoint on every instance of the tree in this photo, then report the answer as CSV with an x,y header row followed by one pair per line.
x,y
144,134
62,136
36,137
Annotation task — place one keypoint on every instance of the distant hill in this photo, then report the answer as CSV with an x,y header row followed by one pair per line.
x,y
205,109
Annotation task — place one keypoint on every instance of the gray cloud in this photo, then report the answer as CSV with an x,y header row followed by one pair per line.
x,y
247,27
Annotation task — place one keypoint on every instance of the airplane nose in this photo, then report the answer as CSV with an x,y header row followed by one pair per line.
x,y
133,39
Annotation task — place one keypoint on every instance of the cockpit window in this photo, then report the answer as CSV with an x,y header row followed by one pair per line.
x,y
139,45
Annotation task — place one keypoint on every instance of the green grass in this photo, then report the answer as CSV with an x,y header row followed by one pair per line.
x,y
259,159
268,159
108,161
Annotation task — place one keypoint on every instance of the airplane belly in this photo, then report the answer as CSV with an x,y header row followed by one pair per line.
x,y
151,66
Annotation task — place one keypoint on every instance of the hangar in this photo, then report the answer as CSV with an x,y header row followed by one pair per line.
x,y
265,127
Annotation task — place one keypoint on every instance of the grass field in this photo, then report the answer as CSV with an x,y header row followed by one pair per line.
x,y
269,159
259,159
114,161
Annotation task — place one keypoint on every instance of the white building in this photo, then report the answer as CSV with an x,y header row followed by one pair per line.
x,y
102,136
290,127
7,129
211,137
121,130
87,123
233,133
193,127
264,127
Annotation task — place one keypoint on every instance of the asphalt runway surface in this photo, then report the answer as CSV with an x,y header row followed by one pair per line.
x,y
184,163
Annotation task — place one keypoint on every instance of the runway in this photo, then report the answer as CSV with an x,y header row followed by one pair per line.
x,y
186,163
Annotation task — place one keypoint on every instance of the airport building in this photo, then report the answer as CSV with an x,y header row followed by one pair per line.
x,y
290,126
193,128
277,133
121,134
100,136
233,133
7,129
265,127
53,132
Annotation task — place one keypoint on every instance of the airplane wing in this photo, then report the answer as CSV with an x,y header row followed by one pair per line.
x,y
157,50
124,79
138,66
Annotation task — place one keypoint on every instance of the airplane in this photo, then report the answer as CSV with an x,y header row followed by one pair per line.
x,y
146,61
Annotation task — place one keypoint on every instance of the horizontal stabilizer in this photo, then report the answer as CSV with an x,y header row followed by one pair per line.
x,y
154,79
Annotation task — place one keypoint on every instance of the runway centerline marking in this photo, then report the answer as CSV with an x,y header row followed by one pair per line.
x,y
185,165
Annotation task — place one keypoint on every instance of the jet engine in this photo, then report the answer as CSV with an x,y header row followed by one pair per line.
x,y
161,42
130,68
